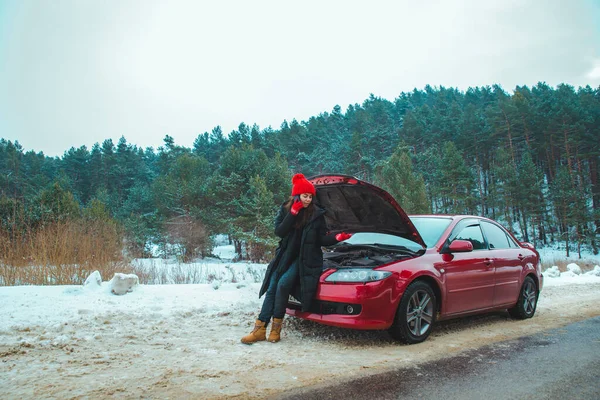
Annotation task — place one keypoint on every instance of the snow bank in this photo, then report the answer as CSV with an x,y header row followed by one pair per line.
x,y
552,272
122,284
594,272
573,274
574,268
94,281
55,306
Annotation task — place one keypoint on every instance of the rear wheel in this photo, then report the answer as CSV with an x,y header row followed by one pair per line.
x,y
527,303
415,315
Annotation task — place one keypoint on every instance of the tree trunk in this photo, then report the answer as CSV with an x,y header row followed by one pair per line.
x,y
237,245
593,166
524,226
480,183
578,242
510,143
569,164
566,232
526,132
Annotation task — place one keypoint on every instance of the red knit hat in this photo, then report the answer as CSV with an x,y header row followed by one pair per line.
x,y
301,185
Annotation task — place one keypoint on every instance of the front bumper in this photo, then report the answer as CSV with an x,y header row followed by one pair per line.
x,y
370,305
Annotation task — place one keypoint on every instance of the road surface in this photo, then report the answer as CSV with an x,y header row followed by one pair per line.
x,y
561,363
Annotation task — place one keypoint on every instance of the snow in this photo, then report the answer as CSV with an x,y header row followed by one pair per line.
x,y
557,253
122,284
203,319
595,271
574,268
225,252
52,306
552,272
94,281
223,287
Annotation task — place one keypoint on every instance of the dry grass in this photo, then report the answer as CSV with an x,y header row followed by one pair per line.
x,y
159,272
61,253
585,264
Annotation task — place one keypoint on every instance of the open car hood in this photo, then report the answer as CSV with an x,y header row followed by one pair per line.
x,y
353,205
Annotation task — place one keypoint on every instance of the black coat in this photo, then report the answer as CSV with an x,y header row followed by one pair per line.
x,y
310,259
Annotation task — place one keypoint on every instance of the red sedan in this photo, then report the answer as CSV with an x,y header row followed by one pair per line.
x,y
404,273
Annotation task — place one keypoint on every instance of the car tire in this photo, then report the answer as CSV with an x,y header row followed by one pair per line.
x,y
527,303
415,315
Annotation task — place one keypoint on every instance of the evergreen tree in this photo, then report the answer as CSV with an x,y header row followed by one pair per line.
x,y
397,177
56,203
218,145
457,184
529,196
254,224
75,164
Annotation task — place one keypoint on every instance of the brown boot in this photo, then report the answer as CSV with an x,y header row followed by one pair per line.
x,y
275,334
258,333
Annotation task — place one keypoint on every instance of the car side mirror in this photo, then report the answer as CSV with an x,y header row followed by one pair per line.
x,y
460,246
528,245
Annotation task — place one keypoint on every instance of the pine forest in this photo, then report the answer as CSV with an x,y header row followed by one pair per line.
x,y
528,159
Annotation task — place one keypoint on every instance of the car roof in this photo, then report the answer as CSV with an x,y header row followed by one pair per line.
x,y
452,216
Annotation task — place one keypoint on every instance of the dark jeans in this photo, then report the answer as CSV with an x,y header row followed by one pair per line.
x,y
277,294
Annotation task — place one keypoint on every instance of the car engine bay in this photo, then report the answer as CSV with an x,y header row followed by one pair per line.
x,y
361,257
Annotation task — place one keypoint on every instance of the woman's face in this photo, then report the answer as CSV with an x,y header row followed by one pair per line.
x,y
306,199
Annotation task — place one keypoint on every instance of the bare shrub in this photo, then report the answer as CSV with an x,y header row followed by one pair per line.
x,y
257,276
177,273
147,274
61,252
257,249
189,233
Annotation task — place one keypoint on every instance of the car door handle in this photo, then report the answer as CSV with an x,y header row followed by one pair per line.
x,y
488,261
521,257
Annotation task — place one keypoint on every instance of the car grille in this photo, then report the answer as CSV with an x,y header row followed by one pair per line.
x,y
327,307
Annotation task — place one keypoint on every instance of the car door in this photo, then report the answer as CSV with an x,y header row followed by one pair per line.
x,y
469,276
509,262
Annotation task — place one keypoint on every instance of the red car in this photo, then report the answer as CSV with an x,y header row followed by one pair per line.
x,y
404,273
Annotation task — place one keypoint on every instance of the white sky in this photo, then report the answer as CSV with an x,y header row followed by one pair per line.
x,y
76,72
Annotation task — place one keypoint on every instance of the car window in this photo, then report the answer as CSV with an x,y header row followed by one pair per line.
x,y
430,228
473,234
497,238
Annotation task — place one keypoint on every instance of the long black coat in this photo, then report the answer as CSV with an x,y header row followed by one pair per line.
x,y
310,258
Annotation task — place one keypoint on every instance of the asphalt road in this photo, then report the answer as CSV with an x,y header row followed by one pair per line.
x,y
561,363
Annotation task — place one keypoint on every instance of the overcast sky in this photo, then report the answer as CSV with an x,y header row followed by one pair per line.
x,y
76,72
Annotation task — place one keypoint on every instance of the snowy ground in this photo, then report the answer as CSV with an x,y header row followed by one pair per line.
x,y
182,341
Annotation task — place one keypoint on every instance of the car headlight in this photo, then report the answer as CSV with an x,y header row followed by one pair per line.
x,y
357,275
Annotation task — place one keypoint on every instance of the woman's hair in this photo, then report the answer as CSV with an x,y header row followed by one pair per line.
x,y
304,216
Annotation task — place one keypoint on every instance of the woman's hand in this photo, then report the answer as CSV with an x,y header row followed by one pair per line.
x,y
340,237
296,207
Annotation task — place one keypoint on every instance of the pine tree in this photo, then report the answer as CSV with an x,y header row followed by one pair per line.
x,y
529,196
396,175
254,224
75,164
457,183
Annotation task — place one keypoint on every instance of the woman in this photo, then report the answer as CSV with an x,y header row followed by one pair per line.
x,y
298,259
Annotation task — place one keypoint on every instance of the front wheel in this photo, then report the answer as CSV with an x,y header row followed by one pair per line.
x,y
525,307
416,314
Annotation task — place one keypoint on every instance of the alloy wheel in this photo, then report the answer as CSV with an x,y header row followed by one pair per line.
x,y
529,297
419,313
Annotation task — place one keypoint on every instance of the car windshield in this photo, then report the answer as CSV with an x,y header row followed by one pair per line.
x,y
373,238
431,228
